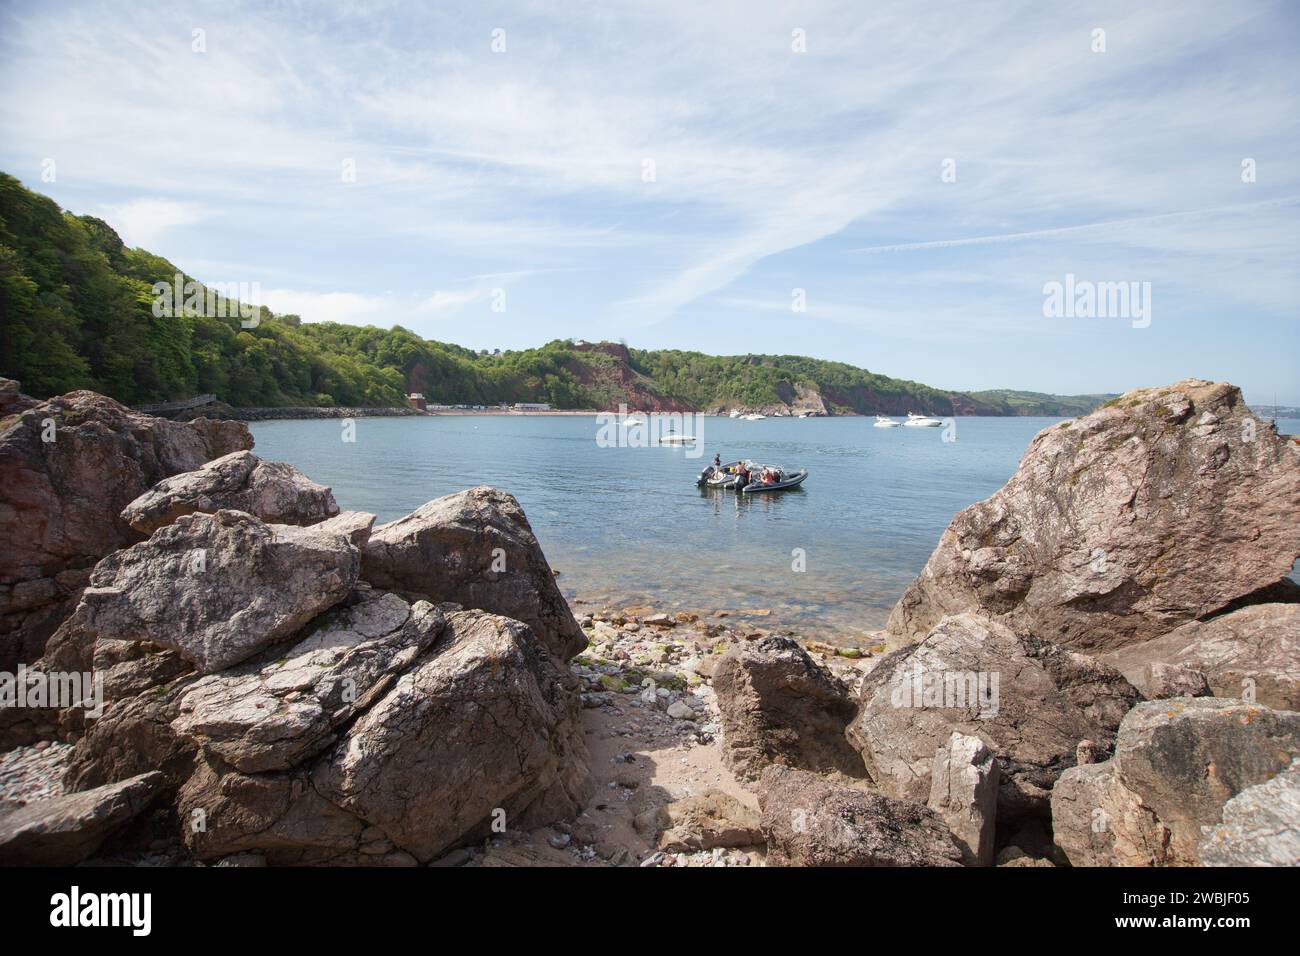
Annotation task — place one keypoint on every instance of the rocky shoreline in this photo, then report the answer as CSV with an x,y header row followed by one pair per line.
x,y
1098,666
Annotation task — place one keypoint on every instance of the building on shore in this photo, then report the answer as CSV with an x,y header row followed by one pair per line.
x,y
416,400
531,407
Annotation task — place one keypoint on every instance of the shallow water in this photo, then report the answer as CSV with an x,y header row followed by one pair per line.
x,y
628,526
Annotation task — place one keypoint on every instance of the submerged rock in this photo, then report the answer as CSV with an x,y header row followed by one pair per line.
x,y
274,491
1157,509
779,706
475,548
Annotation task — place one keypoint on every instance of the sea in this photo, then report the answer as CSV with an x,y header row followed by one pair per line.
x,y
622,521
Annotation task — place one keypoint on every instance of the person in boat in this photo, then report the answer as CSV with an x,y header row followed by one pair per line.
x,y
742,475
717,464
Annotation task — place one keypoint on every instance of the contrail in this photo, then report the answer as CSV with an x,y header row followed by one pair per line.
x,y
1067,230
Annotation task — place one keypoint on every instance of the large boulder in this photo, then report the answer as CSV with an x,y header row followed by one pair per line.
x,y
218,588
64,830
1176,764
1157,509
480,722
274,491
811,821
270,714
475,548
1261,825
778,706
1251,653
1029,701
70,466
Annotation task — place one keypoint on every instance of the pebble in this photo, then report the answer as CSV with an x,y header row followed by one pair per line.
x,y
33,773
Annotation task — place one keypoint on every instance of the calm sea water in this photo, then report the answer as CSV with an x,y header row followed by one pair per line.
x,y
628,525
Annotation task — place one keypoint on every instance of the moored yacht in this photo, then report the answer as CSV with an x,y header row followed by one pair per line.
x,y
883,421
922,421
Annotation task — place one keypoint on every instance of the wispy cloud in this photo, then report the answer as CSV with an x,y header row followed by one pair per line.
x,y
653,166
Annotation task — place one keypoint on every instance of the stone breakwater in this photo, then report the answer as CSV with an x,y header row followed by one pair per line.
x,y
1049,692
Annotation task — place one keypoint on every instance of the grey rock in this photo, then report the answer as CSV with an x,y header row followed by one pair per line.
x,y
1031,702
272,714
1163,681
707,820
1097,822
60,499
779,706
274,491
1186,758
1261,825
1123,524
964,792
475,548
1251,653
809,821
481,720
64,830
1177,763
219,588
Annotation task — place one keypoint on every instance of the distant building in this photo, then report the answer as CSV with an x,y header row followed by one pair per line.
x,y
532,406
416,400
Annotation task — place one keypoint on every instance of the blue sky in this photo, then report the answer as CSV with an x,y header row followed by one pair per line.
x,y
774,170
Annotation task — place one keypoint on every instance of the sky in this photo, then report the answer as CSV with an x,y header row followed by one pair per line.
x,y
893,185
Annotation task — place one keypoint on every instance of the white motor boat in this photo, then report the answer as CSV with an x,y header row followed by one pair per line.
x,y
735,413
754,417
884,422
629,422
674,439
922,421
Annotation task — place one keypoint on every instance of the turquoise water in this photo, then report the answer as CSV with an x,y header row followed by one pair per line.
x,y
628,526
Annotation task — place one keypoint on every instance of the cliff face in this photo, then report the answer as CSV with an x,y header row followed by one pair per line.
x,y
618,382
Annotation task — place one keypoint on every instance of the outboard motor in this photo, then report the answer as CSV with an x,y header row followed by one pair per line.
x,y
704,476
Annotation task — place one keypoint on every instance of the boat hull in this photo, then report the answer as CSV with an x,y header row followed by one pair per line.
x,y
791,482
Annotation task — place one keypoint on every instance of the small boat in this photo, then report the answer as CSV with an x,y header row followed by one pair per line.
x,y
672,438
883,422
754,417
632,422
922,421
785,479
735,413
715,477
